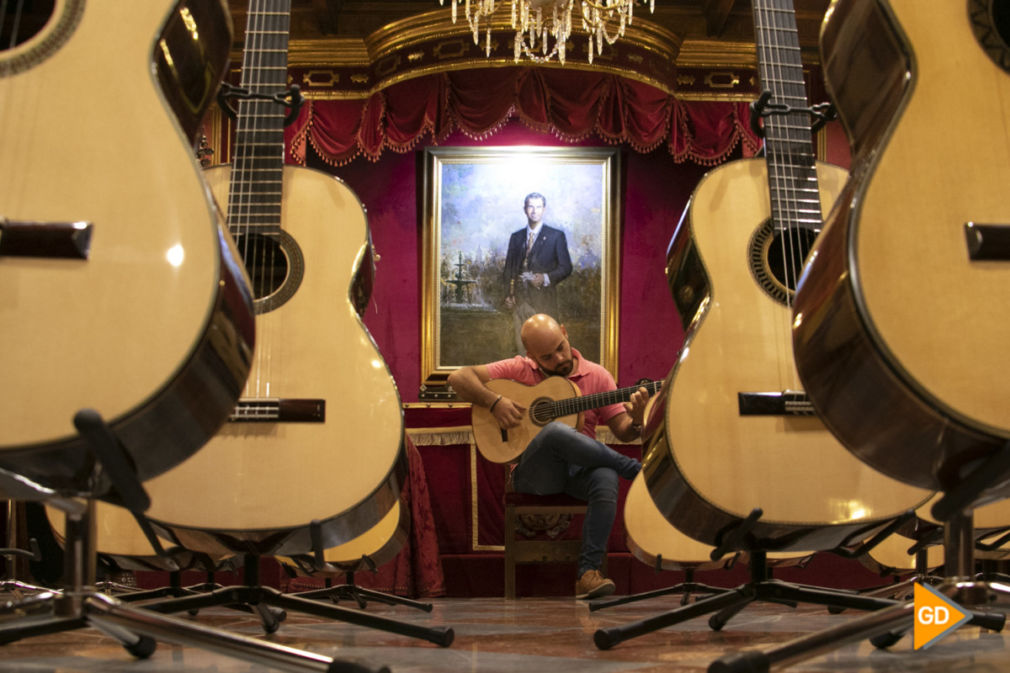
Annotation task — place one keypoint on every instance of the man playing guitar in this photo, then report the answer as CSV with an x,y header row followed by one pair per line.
x,y
562,459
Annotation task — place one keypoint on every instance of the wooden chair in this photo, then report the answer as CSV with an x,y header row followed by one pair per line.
x,y
519,551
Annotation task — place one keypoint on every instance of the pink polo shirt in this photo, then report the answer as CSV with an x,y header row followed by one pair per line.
x,y
589,377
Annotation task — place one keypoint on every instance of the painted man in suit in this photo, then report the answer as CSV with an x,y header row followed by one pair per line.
x,y
537,261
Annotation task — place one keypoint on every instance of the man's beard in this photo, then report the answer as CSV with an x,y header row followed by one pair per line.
x,y
564,369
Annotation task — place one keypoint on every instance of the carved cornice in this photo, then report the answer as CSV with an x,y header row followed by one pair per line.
x,y
428,43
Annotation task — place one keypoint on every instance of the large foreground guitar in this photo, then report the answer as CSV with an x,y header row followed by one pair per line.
x,y
902,317
318,433
119,289
733,431
553,399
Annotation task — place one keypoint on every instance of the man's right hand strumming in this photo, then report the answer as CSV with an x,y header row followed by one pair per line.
x,y
508,413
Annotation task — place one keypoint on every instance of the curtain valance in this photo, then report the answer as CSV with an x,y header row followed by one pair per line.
x,y
570,104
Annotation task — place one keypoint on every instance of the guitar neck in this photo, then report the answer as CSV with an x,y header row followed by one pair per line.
x,y
792,177
254,201
576,405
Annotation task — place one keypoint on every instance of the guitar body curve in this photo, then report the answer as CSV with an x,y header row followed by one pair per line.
x,y
265,482
708,466
153,327
659,544
505,446
371,549
901,334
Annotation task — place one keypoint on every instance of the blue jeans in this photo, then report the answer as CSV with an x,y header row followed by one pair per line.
x,y
562,460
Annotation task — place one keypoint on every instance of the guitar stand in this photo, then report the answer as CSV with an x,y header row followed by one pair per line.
x,y
176,590
761,587
79,604
260,597
264,599
317,563
886,627
901,587
360,595
686,588
12,584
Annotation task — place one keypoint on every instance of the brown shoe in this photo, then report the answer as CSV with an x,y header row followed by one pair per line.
x,y
593,585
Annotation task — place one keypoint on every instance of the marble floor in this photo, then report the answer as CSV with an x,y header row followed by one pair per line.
x,y
491,635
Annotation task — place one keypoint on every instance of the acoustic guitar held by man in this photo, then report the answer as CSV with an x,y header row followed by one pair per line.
x,y
560,458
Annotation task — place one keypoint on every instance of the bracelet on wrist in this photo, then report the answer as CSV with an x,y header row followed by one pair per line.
x,y
491,408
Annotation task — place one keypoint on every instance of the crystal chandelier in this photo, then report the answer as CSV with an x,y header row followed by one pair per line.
x,y
544,26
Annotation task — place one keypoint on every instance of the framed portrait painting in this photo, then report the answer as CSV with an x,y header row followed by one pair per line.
x,y
481,275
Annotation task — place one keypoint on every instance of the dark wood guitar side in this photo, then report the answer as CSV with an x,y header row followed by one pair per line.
x,y
121,290
901,325
732,431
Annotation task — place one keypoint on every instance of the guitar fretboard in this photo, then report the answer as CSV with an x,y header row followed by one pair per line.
x,y
792,176
254,200
575,405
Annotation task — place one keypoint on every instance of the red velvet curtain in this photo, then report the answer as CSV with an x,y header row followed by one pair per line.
x,y
569,104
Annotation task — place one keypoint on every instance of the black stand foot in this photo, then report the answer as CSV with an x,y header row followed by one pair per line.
x,y
686,588
361,596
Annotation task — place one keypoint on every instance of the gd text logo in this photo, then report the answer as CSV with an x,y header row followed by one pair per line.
x,y
935,616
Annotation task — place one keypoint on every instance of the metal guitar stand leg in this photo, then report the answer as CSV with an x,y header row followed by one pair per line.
x,y
360,595
727,604
261,597
150,598
761,587
318,564
11,583
885,627
137,629
685,588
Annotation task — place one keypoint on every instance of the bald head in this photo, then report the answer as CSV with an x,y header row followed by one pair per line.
x,y
547,342
538,328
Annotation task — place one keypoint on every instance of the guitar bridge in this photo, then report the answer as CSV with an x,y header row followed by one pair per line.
x,y
279,410
786,403
56,240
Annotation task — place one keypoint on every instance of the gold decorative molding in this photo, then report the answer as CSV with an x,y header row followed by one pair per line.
x,y
429,43
717,54
328,52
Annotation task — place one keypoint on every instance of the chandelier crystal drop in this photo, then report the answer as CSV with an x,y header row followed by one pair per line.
x,y
544,26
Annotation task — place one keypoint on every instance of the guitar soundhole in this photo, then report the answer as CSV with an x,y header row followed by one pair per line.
x,y
22,20
275,266
990,21
541,411
31,31
776,259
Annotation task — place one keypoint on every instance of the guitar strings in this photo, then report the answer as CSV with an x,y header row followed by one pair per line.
x,y
15,21
787,160
256,187
274,69
259,186
242,183
768,65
